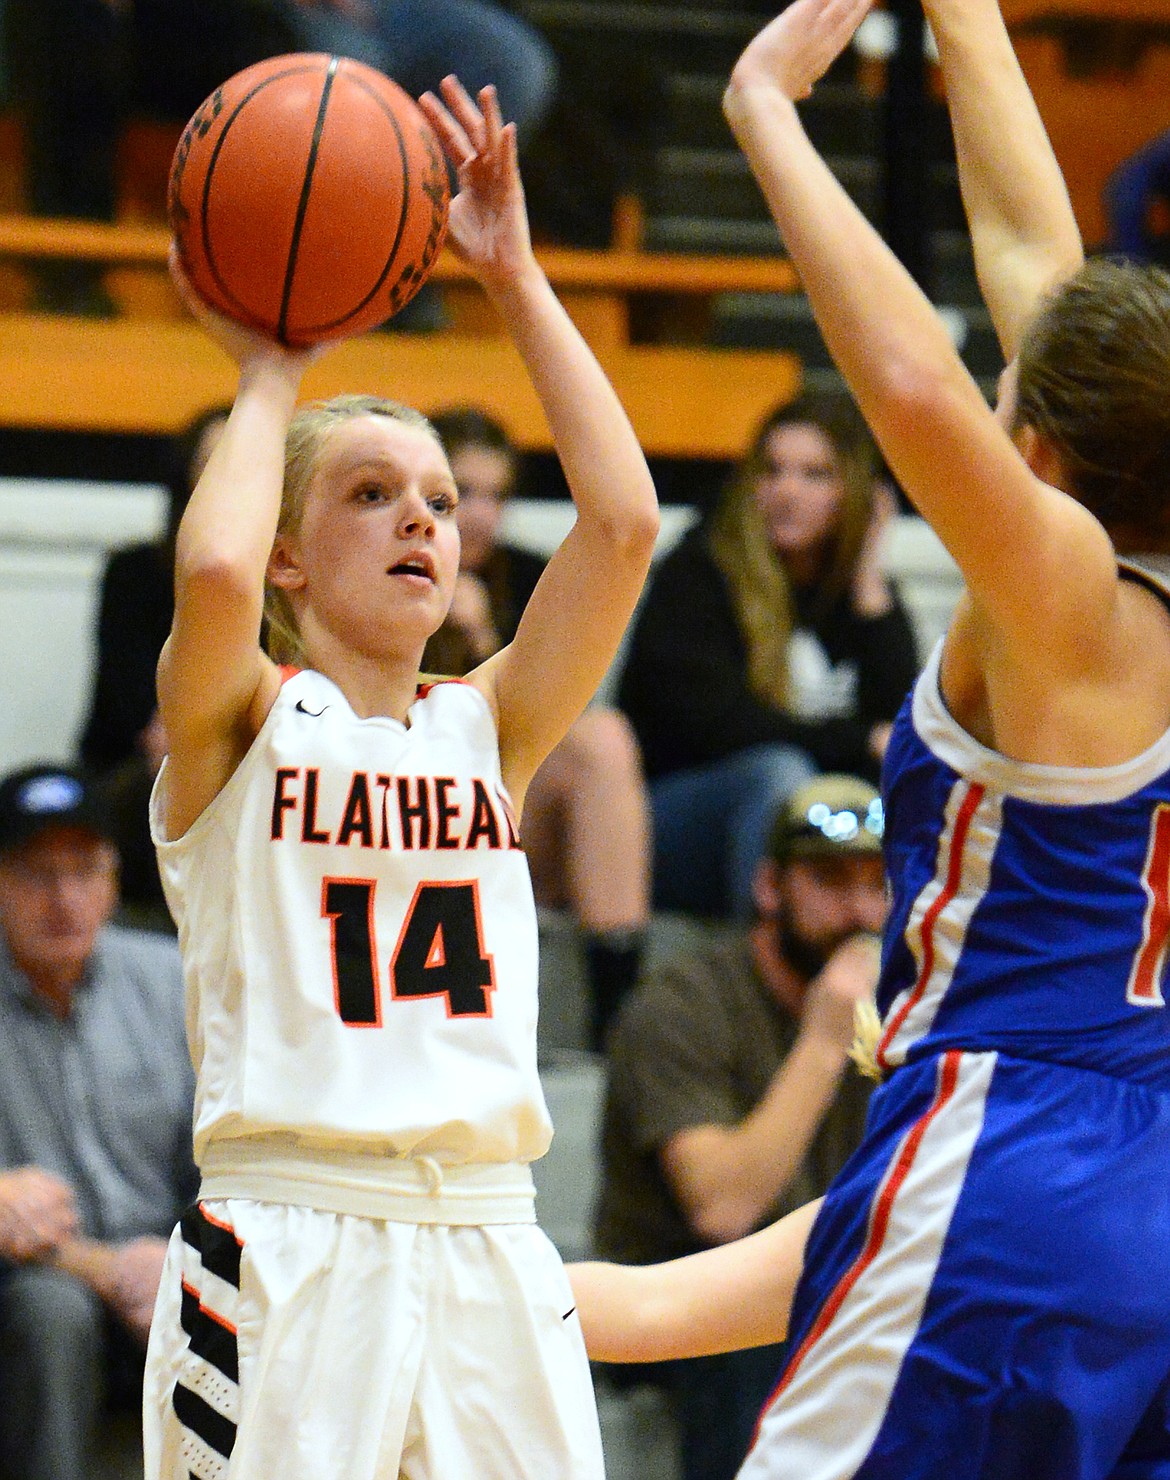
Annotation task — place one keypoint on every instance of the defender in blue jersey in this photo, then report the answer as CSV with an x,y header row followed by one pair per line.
x,y
984,1289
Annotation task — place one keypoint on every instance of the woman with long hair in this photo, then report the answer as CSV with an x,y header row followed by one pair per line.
x,y
770,646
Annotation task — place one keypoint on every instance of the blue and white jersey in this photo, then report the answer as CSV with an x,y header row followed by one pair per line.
x,y
1030,909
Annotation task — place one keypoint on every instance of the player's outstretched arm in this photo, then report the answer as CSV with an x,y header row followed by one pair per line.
x,y
733,1296
575,619
1040,568
215,684
1022,224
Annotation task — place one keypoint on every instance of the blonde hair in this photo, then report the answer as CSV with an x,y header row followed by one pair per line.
x,y
760,586
307,434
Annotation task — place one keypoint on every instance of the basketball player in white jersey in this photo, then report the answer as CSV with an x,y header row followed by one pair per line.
x,y
361,1291
983,1289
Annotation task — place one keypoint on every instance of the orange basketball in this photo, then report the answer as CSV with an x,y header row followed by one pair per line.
x,y
308,198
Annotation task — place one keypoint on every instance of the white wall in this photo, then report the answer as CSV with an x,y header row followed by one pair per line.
x,y
55,536
54,539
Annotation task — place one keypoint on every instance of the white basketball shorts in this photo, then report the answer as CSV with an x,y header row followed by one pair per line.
x,y
294,1344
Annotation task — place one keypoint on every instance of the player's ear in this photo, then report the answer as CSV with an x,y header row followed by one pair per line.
x,y
284,568
1041,455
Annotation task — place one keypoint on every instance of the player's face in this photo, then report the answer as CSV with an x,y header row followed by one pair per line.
x,y
800,491
56,893
377,551
483,476
829,899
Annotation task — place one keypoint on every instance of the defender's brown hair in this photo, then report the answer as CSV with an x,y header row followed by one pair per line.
x,y
1094,379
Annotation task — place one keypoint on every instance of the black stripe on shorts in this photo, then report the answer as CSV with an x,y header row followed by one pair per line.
x,y
200,1417
189,1311
218,1248
216,1345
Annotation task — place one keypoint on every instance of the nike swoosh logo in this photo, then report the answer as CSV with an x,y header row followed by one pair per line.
x,y
312,713
568,1313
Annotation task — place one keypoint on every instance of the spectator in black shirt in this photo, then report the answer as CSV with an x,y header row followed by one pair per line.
x,y
135,610
770,646
122,745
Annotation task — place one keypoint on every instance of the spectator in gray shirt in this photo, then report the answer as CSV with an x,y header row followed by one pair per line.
x,y
96,1094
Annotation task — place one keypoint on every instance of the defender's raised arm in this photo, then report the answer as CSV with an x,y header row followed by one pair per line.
x,y
1022,225
1047,581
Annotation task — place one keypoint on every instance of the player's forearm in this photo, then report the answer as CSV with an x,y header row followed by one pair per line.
x,y
603,463
574,621
1022,225
724,1299
893,350
728,1179
230,521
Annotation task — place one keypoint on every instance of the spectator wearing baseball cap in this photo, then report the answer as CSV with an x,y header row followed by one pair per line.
x,y
731,1099
40,797
96,1094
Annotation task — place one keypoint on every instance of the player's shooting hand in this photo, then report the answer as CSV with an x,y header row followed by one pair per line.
x,y
37,1214
243,345
487,225
138,1269
847,978
795,50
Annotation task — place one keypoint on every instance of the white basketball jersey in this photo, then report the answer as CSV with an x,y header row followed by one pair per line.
x,y
359,936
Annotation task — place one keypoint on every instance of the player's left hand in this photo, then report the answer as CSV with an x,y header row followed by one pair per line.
x,y
487,225
795,50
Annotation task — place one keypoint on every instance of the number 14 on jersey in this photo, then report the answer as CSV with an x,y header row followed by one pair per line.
x,y
439,952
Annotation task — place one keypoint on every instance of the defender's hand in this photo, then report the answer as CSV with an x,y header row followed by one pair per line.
x,y
795,50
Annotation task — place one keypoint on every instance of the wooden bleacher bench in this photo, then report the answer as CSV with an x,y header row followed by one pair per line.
x,y
151,369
